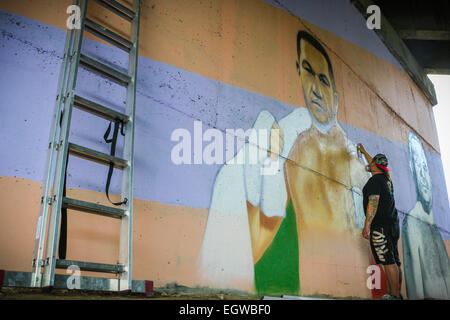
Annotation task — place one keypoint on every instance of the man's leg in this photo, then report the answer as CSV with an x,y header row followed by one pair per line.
x,y
393,277
385,253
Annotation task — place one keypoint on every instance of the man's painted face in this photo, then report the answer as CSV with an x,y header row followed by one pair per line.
x,y
423,179
316,83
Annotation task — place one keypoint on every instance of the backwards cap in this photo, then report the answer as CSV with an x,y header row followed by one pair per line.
x,y
381,161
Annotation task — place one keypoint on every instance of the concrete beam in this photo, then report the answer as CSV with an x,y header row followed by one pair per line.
x,y
440,35
400,51
437,71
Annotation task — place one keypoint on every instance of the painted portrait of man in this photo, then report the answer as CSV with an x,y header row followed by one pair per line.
x,y
426,263
281,220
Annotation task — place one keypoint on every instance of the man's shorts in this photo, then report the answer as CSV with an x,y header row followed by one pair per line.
x,y
383,242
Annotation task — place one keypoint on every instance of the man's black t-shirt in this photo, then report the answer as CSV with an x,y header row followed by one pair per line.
x,y
380,185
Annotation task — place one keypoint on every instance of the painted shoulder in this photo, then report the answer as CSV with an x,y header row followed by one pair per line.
x,y
418,212
292,125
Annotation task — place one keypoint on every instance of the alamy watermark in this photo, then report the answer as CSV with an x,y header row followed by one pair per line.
x,y
374,20
74,20
263,147
74,281
374,281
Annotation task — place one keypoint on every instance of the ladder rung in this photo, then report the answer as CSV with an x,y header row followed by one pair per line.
x,y
118,9
91,266
99,110
94,208
104,70
108,35
97,156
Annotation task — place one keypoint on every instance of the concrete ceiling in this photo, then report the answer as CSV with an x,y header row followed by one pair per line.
x,y
424,27
417,33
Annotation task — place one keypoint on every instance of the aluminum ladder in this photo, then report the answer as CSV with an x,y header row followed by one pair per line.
x,y
52,196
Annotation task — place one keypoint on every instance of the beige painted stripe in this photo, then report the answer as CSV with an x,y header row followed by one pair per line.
x,y
166,238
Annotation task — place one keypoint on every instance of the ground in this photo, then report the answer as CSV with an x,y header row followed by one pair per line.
x,y
12,293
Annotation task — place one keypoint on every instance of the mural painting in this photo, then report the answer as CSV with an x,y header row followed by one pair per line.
x,y
289,222
426,263
262,228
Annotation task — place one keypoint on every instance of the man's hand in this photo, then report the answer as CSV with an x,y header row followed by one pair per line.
x,y
366,232
360,148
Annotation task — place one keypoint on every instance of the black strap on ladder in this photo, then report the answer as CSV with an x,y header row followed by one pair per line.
x,y
113,142
62,247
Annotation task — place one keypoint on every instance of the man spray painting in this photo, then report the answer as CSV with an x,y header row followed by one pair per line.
x,y
381,226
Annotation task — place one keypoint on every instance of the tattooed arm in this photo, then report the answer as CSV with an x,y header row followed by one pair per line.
x,y
370,214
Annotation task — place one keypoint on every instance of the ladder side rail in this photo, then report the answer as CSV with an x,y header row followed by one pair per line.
x,y
126,227
50,162
52,236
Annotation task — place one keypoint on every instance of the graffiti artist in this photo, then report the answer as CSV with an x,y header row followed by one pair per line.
x,y
381,226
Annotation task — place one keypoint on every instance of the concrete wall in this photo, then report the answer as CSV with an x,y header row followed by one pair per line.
x,y
222,63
